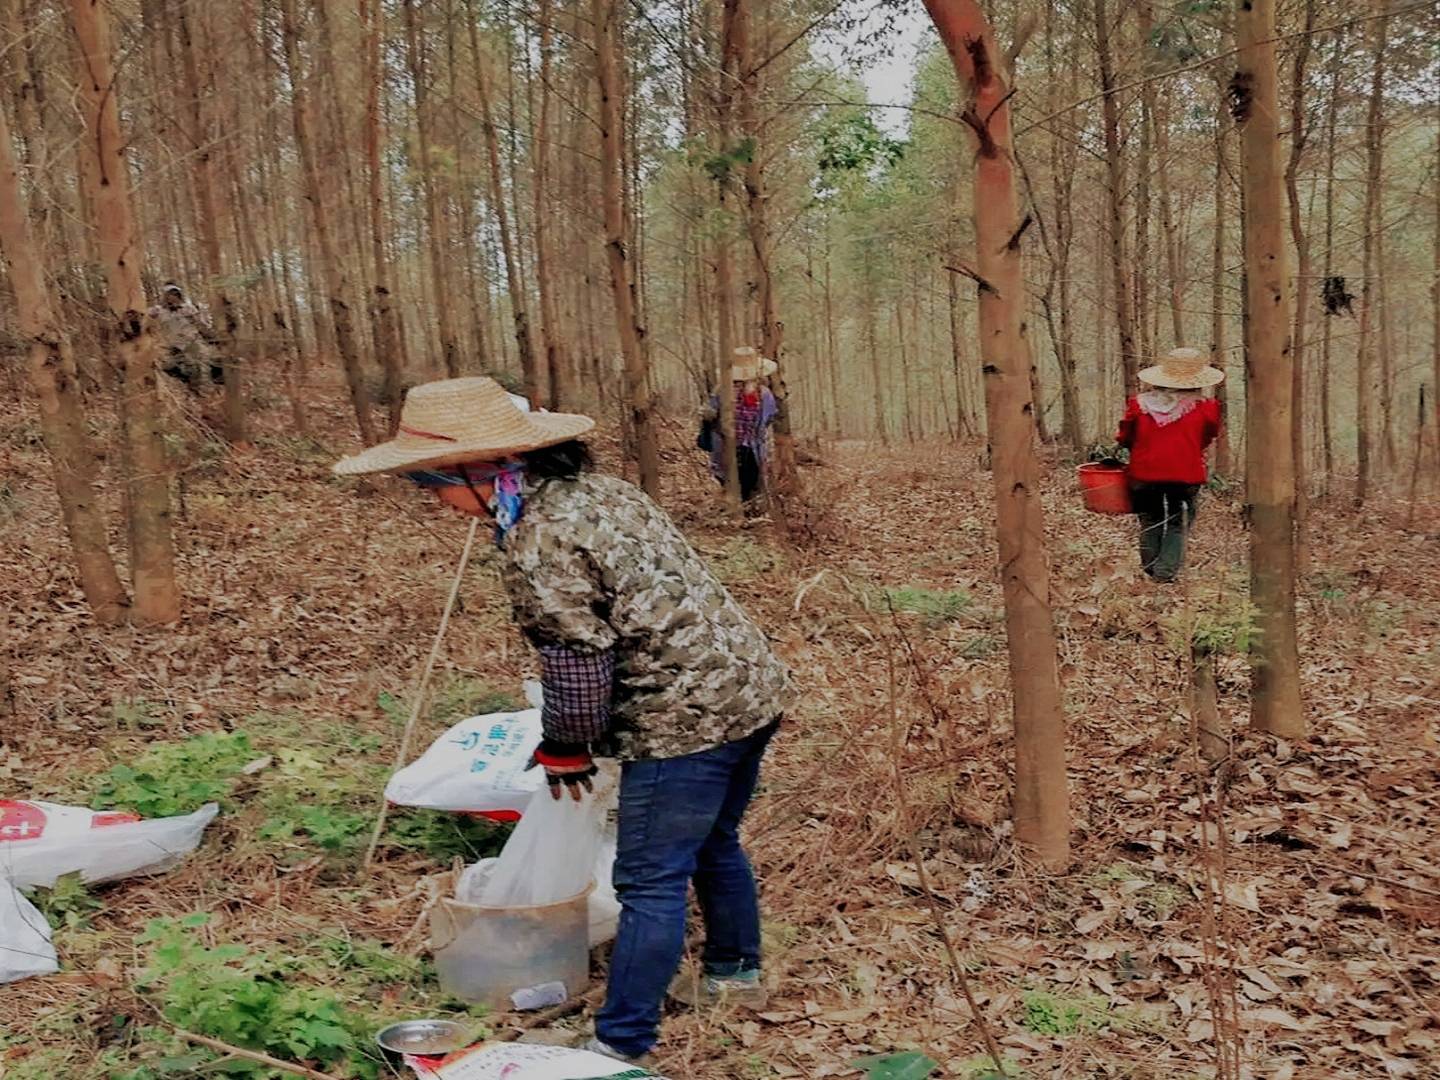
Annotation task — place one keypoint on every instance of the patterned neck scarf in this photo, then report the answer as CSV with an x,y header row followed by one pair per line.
x,y
1167,406
507,478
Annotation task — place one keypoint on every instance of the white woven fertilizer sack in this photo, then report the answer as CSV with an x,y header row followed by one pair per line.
x,y
40,842
515,1061
479,765
25,947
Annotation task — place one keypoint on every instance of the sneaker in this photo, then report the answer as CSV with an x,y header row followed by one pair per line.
x,y
604,1049
745,990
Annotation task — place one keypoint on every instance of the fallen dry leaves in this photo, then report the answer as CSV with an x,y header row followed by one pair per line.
x,y
306,597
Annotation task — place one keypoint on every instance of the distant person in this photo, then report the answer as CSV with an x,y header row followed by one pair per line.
x,y
755,411
1167,430
189,340
644,657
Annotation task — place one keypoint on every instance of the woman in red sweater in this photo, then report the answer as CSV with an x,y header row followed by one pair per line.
x,y
1167,429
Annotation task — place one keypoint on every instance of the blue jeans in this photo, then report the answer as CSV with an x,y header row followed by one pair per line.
x,y
680,820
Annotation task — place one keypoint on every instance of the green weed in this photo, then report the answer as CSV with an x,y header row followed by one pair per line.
x,y
1116,873
444,836
742,559
982,1067
1059,1014
935,607
1228,626
910,1065
249,997
177,777
68,904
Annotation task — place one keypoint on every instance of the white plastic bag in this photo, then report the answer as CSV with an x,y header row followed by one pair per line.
x,y
552,852
25,946
478,765
40,842
604,908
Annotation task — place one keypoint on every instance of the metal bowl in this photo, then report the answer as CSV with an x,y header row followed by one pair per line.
x,y
428,1038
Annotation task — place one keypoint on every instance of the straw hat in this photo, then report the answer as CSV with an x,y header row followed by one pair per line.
x,y
748,365
1182,369
454,420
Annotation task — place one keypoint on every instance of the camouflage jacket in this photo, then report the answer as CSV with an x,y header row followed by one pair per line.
x,y
184,329
595,565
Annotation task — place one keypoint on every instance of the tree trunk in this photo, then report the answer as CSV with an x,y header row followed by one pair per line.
x,y
786,475
1332,110
207,222
62,412
529,369
1435,301
434,212
1275,704
957,359
608,27
1213,738
1042,816
1219,351
1145,18
1174,261
1299,134
556,362
1386,308
876,369
330,266
1374,156
147,479
382,316
729,77
1115,183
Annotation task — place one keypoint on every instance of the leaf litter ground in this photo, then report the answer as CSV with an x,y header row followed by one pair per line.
x,y
310,607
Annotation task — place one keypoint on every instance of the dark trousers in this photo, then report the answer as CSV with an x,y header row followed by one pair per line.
x,y
749,472
1166,513
680,822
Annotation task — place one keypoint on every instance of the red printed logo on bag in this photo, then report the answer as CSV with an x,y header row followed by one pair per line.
x,y
112,817
20,821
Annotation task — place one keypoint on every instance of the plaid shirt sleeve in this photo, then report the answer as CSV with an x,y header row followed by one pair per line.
x,y
577,688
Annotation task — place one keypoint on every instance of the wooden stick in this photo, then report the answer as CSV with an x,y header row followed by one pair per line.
x,y
253,1055
421,686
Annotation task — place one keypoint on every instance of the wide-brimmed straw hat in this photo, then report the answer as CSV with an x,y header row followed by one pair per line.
x,y
454,420
748,365
1182,369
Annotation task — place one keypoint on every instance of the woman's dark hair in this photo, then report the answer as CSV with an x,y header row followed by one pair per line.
x,y
563,461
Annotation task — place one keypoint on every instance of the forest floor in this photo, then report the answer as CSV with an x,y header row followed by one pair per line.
x,y
310,609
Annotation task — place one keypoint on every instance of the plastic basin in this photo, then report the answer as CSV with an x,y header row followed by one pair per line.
x,y
1104,488
485,954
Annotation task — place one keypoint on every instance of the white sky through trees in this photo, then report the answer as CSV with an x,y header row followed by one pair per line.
x,y
887,68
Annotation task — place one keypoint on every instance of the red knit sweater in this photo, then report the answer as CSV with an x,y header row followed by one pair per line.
x,y
1173,454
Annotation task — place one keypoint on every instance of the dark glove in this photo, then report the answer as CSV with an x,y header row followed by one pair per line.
x,y
565,763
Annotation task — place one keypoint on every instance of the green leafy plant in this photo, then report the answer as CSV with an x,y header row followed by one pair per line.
x,y
936,607
982,1067
68,904
1057,1014
332,829
248,997
1228,625
177,777
910,1065
444,836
